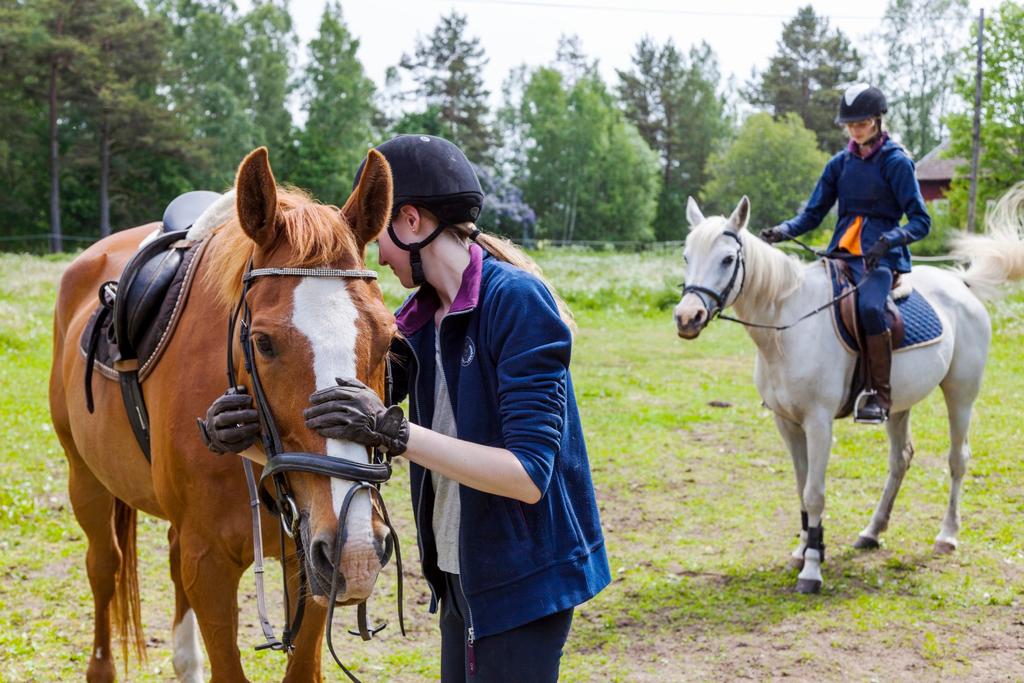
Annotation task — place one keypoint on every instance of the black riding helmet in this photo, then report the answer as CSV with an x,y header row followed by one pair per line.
x,y
433,173
861,102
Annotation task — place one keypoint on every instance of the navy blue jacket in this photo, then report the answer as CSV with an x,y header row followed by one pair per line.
x,y
880,188
505,352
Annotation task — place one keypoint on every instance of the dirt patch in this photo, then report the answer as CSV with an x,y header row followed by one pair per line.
x,y
789,652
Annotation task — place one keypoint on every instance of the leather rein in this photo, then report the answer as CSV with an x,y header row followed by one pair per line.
x,y
721,299
364,477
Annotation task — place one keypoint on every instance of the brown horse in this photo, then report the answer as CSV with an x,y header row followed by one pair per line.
x,y
306,331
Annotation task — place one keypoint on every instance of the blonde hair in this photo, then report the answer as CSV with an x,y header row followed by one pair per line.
x,y
505,250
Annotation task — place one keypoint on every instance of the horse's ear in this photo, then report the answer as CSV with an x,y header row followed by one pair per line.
x,y
368,208
693,213
741,216
256,197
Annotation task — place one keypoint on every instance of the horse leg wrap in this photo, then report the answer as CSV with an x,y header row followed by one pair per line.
x,y
816,540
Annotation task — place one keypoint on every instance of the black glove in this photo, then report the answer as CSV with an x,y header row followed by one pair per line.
x,y
775,234
875,253
353,412
231,423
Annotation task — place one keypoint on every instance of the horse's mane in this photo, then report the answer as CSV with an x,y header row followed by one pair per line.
x,y
771,275
315,234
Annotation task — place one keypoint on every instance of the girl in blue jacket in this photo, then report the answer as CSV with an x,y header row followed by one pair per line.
x,y
873,179
507,523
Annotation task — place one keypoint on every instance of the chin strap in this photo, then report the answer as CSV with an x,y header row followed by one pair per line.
x,y
415,261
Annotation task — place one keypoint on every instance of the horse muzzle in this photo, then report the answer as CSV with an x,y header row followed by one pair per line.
x,y
691,317
354,571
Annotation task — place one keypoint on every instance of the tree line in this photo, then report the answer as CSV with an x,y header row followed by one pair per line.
x,y
110,108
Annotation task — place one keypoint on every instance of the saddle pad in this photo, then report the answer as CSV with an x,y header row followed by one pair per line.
x,y
921,323
154,339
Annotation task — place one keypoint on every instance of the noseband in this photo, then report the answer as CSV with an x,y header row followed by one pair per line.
x,y
364,476
721,299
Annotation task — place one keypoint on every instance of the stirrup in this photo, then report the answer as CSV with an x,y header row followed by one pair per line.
x,y
859,405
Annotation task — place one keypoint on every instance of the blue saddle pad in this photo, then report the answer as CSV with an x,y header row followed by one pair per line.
x,y
921,324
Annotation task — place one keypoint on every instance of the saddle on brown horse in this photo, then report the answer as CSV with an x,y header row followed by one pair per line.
x,y
136,315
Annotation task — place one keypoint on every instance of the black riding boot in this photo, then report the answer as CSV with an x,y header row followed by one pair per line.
x,y
873,406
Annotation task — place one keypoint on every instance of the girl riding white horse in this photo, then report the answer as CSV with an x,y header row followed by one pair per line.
x,y
803,373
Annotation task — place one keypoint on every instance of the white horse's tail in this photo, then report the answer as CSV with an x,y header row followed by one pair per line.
x,y
996,257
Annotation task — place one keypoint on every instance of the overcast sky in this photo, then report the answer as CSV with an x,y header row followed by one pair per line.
x,y
743,33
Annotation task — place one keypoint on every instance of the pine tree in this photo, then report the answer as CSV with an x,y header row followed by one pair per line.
x,y
807,76
24,101
447,69
270,41
339,106
673,101
127,121
210,88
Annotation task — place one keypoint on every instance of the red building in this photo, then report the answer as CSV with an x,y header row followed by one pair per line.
x,y
934,173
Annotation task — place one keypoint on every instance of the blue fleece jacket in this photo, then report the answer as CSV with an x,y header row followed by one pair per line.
x,y
879,188
506,352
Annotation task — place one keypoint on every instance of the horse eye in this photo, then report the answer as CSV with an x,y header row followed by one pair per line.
x,y
264,345
727,261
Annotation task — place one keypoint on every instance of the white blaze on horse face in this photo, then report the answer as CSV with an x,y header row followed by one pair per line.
x,y
324,312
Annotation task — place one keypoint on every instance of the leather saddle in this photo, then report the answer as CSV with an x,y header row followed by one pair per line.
x,y
849,329
138,313
842,283
912,321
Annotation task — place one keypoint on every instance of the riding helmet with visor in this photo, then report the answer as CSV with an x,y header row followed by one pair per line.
x,y
861,102
432,173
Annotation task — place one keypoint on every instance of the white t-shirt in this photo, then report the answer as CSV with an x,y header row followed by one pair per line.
x,y
447,507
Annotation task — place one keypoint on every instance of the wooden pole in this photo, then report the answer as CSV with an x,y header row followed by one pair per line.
x,y
972,205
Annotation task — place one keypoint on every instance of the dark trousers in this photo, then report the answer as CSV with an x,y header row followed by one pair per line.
x,y
871,296
530,652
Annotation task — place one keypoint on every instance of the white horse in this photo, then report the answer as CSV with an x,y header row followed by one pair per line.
x,y
803,373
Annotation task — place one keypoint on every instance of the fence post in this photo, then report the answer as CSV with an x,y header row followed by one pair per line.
x,y
976,134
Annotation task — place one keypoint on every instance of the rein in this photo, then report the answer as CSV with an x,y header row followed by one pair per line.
x,y
721,299
364,476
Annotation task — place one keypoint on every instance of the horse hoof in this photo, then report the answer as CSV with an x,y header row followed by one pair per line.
x,y
865,543
945,547
808,586
796,563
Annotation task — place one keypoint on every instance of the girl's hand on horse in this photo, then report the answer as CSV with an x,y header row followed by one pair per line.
x,y
875,253
775,234
353,412
231,424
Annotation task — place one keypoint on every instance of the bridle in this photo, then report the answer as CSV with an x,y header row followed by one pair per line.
x,y
721,299
364,477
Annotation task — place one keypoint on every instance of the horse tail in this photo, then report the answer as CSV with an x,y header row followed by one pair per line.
x,y
996,257
127,610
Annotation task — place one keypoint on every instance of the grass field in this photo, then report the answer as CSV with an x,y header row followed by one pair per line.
x,y
698,506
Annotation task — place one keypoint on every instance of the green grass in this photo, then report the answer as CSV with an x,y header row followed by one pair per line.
x,y
698,504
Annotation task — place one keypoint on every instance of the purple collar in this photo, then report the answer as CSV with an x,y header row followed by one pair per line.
x,y
854,148
420,308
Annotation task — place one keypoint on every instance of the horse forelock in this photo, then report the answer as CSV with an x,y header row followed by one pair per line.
x,y
312,235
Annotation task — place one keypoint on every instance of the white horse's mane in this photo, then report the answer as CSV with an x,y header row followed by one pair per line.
x,y
771,275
